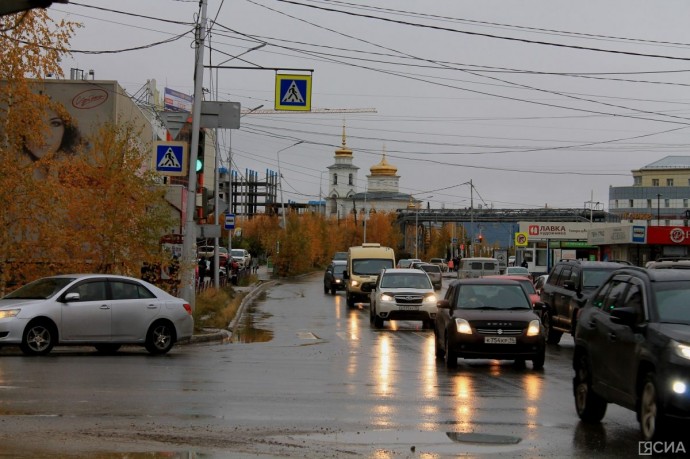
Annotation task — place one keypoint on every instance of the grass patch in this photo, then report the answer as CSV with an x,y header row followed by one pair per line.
x,y
215,308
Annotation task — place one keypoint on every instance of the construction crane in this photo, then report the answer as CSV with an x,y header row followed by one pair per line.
x,y
267,111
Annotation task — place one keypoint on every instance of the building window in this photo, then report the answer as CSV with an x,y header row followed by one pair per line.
x,y
649,203
335,179
667,203
655,182
685,203
637,181
631,203
349,179
669,182
615,204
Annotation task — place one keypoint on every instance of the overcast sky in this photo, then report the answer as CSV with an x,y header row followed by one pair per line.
x,y
538,102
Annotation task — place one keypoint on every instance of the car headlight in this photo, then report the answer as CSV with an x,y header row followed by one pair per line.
x,y
7,313
386,297
683,350
354,283
430,299
463,326
534,328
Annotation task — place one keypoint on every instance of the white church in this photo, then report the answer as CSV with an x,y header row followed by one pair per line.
x,y
381,193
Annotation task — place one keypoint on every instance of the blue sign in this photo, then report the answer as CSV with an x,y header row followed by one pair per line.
x,y
229,221
638,234
293,92
170,158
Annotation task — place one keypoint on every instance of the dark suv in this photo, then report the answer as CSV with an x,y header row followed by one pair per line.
x,y
569,285
632,348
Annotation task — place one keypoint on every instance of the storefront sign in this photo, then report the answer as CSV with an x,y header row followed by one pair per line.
x,y
558,230
668,235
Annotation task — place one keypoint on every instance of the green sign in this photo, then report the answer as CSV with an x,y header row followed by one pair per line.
x,y
570,245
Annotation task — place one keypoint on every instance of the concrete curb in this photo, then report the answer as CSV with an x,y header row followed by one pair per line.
x,y
225,335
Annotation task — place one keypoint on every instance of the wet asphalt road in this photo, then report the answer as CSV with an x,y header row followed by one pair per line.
x,y
306,377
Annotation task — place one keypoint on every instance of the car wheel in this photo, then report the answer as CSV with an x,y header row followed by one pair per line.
x,y
552,336
440,352
451,358
332,289
538,360
39,338
160,338
590,406
650,413
325,289
378,322
107,348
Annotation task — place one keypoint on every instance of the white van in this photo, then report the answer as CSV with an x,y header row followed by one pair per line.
x,y
364,263
478,267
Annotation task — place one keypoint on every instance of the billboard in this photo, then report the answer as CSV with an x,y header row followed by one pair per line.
x,y
176,101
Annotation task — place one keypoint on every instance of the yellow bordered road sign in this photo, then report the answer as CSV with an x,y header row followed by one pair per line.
x,y
521,240
293,92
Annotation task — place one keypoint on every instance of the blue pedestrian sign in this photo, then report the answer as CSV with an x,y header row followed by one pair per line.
x,y
170,158
229,221
293,92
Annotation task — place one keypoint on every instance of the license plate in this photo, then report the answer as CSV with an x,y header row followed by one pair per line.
x,y
409,308
499,340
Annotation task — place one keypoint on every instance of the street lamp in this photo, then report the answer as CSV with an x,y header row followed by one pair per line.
x,y
280,181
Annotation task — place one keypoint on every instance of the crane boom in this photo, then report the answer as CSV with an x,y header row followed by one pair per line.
x,y
313,110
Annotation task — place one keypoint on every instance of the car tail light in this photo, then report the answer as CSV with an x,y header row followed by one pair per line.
x,y
188,308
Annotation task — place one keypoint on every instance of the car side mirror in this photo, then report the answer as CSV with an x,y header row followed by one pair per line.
x,y
624,316
368,287
538,306
443,304
345,275
72,296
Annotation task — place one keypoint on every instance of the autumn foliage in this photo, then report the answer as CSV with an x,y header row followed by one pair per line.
x,y
92,210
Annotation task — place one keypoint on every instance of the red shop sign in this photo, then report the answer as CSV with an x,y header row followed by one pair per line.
x,y
668,235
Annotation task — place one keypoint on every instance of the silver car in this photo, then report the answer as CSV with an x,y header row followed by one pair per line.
x,y
105,311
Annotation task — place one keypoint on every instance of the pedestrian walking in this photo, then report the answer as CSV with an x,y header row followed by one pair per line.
x,y
202,271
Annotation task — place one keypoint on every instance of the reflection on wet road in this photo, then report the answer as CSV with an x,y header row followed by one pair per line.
x,y
308,377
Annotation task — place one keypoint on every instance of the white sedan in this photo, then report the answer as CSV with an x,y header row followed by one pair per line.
x,y
105,311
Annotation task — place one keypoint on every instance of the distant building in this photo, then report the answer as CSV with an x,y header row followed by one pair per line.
x,y
659,196
381,192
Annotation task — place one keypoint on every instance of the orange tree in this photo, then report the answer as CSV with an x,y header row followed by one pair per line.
x,y
31,46
310,239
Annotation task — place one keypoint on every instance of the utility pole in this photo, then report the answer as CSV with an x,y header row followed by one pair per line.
x,y
471,219
187,290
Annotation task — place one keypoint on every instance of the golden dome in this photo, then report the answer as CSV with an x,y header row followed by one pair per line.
x,y
383,168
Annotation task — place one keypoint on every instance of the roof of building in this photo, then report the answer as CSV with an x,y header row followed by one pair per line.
x,y
383,168
670,162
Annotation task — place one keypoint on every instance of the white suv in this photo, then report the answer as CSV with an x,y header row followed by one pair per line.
x,y
242,257
402,294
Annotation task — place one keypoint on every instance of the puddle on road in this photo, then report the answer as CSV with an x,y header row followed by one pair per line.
x,y
247,331
443,443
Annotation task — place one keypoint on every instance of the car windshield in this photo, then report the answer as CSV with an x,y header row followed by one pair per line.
x,y
237,253
370,265
487,296
672,301
406,280
40,289
593,278
339,269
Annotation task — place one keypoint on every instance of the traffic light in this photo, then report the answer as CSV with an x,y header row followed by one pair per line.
x,y
200,151
481,238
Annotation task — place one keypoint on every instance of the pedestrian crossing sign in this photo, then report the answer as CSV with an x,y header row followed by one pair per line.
x,y
293,92
170,158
